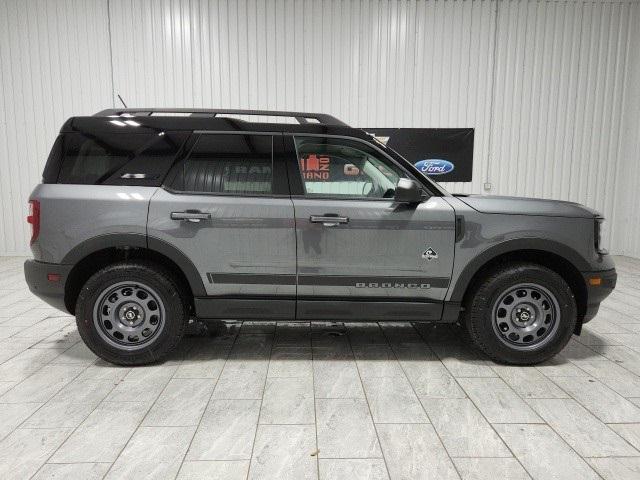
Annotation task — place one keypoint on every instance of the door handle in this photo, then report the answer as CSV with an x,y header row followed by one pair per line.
x,y
190,216
329,220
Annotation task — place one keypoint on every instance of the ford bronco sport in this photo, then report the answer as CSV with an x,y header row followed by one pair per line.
x,y
146,218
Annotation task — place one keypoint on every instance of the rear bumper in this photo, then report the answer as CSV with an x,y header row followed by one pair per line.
x,y
37,274
597,293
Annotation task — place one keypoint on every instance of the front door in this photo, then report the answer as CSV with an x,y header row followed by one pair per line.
x,y
227,208
360,254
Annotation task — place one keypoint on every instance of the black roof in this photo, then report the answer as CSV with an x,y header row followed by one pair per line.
x,y
148,119
300,117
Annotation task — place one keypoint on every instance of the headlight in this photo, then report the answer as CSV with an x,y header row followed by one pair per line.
x,y
597,237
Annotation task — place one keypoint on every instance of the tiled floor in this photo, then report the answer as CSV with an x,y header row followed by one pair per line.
x,y
300,401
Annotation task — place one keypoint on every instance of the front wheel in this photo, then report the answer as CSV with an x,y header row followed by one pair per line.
x,y
521,314
131,313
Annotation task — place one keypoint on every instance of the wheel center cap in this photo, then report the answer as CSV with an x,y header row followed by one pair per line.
x,y
131,314
523,316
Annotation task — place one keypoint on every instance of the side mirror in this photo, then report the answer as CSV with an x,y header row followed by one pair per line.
x,y
408,191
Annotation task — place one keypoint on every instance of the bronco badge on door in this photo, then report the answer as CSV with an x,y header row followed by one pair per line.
x,y
429,254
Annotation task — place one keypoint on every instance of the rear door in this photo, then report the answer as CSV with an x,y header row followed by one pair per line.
x,y
360,254
226,207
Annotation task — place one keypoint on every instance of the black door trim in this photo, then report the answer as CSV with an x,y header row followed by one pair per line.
x,y
381,282
251,278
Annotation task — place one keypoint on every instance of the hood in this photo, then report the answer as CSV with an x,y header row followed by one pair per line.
x,y
527,206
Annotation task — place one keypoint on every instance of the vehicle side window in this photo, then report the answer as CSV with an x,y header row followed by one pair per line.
x,y
228,164
140,159
339,167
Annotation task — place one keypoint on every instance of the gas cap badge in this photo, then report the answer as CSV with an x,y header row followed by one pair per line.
x,y
429,254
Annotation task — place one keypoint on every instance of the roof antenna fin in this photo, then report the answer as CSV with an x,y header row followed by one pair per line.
x,y
121,100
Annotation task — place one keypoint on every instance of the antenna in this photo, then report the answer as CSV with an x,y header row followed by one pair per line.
x,y
122,101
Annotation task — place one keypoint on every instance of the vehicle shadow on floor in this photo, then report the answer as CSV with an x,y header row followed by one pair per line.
x,y
299,341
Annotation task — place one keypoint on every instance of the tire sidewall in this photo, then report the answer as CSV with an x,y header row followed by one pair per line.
x,y
175,312
481,314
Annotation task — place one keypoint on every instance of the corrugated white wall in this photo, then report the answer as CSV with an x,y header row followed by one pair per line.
x,y
626,215
370,63
54,63
545,84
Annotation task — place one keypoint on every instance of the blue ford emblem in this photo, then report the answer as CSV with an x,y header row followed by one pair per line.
x,y
434,166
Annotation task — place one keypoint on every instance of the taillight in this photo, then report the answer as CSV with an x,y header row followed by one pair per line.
x,y
34,219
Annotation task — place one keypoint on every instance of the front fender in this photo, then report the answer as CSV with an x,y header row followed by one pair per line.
x,y
541,246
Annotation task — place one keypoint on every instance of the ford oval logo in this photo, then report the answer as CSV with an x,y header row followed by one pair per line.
x,y
435,166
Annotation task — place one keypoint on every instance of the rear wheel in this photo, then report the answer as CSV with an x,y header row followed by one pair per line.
x,y
521,314
131,313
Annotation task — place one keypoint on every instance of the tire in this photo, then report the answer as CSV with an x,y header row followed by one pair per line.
x,y
131,313
521,314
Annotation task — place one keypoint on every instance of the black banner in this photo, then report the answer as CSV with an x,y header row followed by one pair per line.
x,y
444,154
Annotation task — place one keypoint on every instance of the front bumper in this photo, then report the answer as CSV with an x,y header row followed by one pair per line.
x,y
597,293
41,278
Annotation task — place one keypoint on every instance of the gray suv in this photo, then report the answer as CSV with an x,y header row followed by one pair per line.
x,y
146,218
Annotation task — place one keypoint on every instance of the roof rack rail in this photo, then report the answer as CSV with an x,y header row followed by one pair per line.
x,y
301,117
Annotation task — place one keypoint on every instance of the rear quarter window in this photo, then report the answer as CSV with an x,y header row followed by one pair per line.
x,y
115,159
